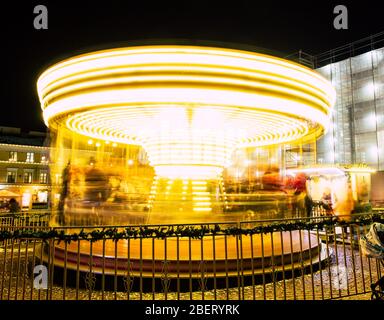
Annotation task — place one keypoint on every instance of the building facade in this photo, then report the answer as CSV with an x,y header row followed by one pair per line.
x,y
357,131
24,170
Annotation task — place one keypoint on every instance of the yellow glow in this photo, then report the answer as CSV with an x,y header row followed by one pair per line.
x,y
360,170
189,107
188,172
202,209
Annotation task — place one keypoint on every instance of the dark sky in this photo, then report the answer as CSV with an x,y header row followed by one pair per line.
x,y
80,26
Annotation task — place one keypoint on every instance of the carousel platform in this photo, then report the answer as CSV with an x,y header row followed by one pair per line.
x,y
185,262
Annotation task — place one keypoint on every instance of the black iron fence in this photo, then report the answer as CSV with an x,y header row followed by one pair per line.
x,y
300,258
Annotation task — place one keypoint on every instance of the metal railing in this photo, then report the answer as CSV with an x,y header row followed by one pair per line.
x,y
25,219
352,49
343,52
256,260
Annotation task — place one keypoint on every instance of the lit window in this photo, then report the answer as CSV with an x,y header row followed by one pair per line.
x,y
42,196
30,157
27,177
13,156
43,177
44,159
26,199
11,176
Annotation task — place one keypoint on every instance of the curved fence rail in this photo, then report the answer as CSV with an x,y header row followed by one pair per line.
x,y
301,259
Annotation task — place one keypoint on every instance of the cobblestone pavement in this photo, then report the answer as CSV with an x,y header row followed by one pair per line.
x,y
348,276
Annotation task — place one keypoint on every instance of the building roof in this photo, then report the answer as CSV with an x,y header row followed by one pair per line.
x,y
16,136
38,142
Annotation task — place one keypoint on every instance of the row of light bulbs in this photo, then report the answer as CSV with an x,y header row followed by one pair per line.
x,y
98,144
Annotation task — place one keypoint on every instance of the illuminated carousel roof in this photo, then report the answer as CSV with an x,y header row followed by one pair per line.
x,y
186,105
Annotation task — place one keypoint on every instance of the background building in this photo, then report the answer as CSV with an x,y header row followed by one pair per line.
x,y
357,131
24,173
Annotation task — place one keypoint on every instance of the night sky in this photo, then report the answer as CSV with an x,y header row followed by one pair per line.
x,y
79,26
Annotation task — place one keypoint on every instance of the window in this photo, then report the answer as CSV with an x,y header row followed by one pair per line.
x,y
42,196
13,156
44,159
11,175
26,199
43,177
28,177
30,157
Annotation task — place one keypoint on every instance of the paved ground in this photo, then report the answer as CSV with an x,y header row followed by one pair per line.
x,y
348,276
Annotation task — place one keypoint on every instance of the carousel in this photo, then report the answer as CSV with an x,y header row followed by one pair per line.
x,y
153,135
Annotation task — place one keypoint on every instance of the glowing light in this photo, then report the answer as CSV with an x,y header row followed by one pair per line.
x,y
317,171
189,107
369,90
371,119
188,172
360,170
202,209
373,151
247,163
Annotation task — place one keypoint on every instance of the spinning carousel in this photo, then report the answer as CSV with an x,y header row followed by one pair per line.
x,y
142,135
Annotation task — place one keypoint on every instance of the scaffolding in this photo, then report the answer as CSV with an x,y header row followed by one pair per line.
x,y
356,71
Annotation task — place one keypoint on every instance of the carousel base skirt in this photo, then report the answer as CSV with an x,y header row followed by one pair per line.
x,y
184,264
